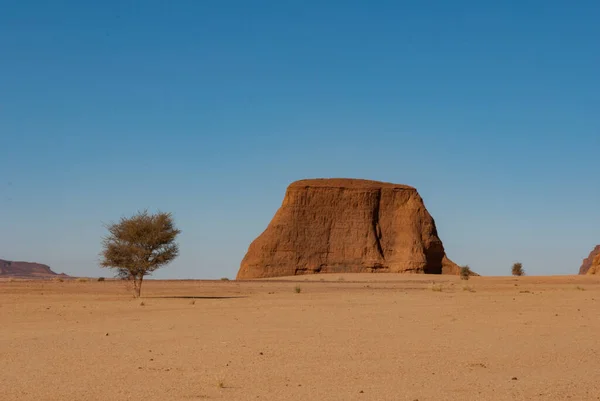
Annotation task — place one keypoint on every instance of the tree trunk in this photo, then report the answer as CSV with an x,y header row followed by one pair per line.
x,y
138,285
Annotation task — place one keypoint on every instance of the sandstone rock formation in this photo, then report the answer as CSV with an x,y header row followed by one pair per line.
x,y
587,262
591,264
347,226
25,270
595,267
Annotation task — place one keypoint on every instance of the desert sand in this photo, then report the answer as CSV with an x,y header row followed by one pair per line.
x,y
342,337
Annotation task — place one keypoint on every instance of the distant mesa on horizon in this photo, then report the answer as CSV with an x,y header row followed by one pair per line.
x,y
26,270
591,264
346,225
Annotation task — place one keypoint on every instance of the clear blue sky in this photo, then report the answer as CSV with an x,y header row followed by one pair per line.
x,y
208,109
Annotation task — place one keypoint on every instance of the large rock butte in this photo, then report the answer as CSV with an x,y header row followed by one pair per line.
x,y
587,262
347,226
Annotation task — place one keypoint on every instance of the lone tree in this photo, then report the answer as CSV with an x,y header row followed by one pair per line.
x,y
139,245
517,269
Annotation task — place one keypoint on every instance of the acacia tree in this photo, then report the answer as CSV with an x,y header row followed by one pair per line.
x,y
138,245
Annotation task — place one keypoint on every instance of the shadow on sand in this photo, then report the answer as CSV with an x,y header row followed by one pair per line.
x,y
195,297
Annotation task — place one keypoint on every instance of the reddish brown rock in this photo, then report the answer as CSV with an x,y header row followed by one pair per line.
x,y
587,262
347,226
25,270
595,266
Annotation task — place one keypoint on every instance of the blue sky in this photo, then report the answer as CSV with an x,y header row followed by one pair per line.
x,y
208,109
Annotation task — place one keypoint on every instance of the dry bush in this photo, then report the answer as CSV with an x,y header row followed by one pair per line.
x,y
465,272
517,269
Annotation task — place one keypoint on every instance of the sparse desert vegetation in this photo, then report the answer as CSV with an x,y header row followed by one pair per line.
x,y
517,269
138,245
465,272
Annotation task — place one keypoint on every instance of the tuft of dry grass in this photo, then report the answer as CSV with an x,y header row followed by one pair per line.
x,y
297,289
437,287
468,288
82,279
580,288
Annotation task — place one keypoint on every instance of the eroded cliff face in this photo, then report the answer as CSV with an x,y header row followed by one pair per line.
x,y
588,262
595,265
347,226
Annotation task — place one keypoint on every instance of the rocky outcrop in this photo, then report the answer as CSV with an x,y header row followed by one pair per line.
x,y
25,270
587,262
348,226
595,267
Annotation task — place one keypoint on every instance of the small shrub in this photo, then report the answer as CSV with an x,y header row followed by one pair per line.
x,y
517,269
221,384
224,279
82,280
58,279
436,287
465,272
580,288
142,304
297,289
100,278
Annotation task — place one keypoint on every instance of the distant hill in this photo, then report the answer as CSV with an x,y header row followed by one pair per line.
x,y
26,270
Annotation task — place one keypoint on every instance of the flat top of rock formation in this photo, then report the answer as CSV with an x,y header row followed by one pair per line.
x,y
25,269
352,183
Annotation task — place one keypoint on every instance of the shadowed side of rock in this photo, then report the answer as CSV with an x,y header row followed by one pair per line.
x,y
589,261
347,226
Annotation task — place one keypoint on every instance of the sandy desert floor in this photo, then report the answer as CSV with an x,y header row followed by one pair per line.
x,y
351,337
